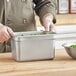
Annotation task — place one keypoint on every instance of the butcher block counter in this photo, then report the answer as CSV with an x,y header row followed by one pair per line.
x,y
62,65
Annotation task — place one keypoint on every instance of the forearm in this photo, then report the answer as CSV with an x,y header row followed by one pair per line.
x,y
45,7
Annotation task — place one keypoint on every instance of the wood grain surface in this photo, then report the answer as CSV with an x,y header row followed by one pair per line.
x,y
62,65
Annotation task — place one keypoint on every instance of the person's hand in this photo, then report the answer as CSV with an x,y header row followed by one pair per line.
x,y
5,33
48,22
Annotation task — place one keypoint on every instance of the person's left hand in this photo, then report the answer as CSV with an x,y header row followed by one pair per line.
x,y
48,22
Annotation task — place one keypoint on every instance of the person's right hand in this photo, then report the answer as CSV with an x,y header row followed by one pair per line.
x,y
5,33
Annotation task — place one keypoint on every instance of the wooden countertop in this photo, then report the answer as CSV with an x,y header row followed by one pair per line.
x,y
62,65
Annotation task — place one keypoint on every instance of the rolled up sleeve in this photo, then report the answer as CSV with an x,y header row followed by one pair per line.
x,y
45,6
